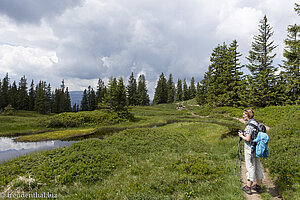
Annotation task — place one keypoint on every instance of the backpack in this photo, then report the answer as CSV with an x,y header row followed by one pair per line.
x,y
259,140
262,149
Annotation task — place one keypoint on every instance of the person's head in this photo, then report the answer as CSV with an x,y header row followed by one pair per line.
x,y
248,114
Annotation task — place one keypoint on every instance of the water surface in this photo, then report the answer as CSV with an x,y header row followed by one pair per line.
x,y
10,149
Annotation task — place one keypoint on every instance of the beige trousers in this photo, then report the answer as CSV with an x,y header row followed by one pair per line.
x,y
252,165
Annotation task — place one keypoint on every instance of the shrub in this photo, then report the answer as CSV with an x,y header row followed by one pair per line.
x,y
283,162
68,119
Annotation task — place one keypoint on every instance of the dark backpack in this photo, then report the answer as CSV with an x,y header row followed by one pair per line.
x,y
255,131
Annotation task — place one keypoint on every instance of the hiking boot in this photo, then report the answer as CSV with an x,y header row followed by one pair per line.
x,y
247,190
257,188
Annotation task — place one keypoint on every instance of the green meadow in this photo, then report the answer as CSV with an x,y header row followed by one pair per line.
x,y
159,153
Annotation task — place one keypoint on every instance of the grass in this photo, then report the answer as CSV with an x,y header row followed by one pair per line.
x,y
21,122
162,154
182,160
56,135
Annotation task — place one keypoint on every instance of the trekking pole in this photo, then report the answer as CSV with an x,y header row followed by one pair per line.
x,y
238,155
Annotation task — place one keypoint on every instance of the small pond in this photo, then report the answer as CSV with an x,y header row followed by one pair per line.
x,y
10,149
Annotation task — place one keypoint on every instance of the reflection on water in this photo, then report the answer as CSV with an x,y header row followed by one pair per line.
x,y
10,149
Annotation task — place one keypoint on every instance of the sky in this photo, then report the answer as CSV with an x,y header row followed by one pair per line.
x,y
80,41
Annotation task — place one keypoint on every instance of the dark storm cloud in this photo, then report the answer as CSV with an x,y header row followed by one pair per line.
x,y
31,11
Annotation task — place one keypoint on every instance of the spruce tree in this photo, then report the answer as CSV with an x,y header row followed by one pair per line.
x,y
89,97
31,96
110,98
67,103
192,89
101,90
84,101
161,91
143,97
237,83
56,108
92,100
62,96
4,101
291,65
23,94
119,94
200,94
215,78
13,95
171,89
185,91
42,101
179,90
132,95
260,65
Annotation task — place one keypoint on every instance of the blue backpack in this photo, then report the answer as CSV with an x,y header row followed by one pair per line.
x,y
262,149
259,140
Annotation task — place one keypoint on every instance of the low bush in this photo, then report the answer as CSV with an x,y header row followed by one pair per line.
x,y
69,119
83,162
283,162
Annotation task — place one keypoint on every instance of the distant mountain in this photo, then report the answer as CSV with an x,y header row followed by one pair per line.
x,y
76,97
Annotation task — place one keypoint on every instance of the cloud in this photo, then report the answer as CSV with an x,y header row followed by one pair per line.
x,y
19,60
81,41
31,11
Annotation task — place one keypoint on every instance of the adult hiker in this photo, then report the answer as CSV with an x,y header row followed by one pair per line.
x,y
253,166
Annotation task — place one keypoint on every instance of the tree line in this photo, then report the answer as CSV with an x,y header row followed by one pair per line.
x,y
38,98
116,96
225,84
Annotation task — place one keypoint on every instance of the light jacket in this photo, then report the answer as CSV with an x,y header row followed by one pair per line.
x,y
262,149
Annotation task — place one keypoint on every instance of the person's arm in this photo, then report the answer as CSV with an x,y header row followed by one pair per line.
x,y
246,138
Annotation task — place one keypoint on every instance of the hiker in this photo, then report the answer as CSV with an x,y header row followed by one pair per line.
x,y
252,162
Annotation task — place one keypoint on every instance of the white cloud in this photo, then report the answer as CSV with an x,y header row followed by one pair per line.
x,y
34,62
99,39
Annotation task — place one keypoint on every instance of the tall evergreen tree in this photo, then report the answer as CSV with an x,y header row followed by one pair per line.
x,y
56,108
92,100
132,95
192,89
179,90
23,94
171,89
291,65
110,98
200,94
260,65
119,94
42,101
62,96
185,91
143,97
237,83
4,99
89,97
67,103
84,101
161,91
13,95
101,90
31,96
